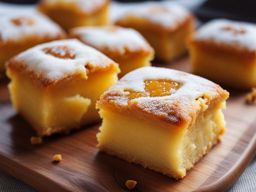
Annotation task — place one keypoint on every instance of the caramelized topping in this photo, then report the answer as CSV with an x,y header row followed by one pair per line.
x,y
234,30
22,21
62,52
155,88
158,88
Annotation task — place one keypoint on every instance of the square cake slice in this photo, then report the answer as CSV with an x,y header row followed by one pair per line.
x,y
225,52
166,26
125,46
163,119
75,13
55,85
22,30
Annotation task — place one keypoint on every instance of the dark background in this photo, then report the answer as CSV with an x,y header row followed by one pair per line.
x,y
233,9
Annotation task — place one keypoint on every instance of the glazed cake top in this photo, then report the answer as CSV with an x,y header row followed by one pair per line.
x,y
193,94
230,33
113,39
167,15
57,60
16,26
87,6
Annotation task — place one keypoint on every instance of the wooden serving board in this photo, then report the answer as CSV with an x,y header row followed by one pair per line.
x,y
84,168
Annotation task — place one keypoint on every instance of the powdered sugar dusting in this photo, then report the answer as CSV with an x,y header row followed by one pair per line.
x,y
190,84
166,14
16,26
229,32
52,67
115,39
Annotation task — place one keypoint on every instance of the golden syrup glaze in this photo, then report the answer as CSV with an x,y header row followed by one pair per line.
x,y
156,88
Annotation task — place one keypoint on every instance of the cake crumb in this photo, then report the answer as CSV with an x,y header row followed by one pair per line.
x,y
36,140
130,184
56,158
251,97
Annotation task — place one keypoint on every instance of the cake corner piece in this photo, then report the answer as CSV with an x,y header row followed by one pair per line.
x,y
178,115
125,46
172,24
223,48
55,85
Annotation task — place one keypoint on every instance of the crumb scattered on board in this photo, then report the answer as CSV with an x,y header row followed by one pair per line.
x,y
131,184
56,158
251,97
36,140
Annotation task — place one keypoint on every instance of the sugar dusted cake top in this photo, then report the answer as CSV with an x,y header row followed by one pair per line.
x,y
113,39
230,33
87,6
169,95
167,15
16,26
54,61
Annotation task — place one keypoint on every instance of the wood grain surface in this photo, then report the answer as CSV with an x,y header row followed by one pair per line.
x,y
84,168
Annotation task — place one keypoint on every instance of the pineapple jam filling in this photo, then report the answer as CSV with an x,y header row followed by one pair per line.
x,y
62,52
156,88
21,21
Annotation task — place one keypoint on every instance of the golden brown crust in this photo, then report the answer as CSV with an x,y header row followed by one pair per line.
x,y
232,37
218,47
56,61
163,111
31,40
43,7
178,109
128,53
13,65
144,50
133,22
